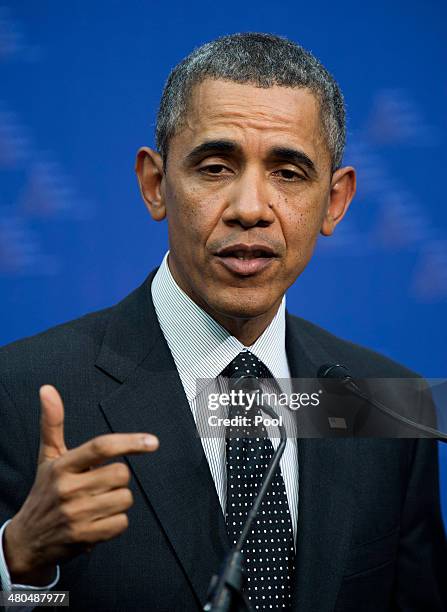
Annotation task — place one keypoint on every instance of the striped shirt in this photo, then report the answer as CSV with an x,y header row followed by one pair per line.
x,y
202,349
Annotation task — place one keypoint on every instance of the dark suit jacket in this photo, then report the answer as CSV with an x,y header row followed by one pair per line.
x,y
370,535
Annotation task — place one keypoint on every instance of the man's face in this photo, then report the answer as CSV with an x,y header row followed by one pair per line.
x,y
246,191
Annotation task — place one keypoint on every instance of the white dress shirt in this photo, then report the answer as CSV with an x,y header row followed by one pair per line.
x,y
202,349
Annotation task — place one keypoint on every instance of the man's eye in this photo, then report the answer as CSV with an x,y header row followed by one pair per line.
x,y
214,169
288,175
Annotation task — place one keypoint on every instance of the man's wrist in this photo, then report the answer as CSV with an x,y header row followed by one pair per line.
x,y
20,566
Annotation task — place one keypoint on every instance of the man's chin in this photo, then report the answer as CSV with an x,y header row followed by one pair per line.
x,y
242,307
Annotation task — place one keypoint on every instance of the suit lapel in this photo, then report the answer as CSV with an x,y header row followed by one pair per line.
x,y
176,479
325,492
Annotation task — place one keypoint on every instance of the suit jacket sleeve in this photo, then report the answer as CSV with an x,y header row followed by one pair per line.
x,y
17,464
421,579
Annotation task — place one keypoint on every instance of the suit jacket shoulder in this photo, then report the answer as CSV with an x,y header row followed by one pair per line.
x,y
50,348
323,347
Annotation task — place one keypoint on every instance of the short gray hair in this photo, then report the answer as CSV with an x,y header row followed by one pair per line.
x,y
263,60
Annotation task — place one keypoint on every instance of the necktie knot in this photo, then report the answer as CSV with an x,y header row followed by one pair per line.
x,y
246,363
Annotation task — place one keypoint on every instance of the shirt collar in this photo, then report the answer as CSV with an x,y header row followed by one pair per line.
x,y
200,346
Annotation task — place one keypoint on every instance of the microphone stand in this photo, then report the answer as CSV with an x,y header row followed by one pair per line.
x,y
341,374
225,590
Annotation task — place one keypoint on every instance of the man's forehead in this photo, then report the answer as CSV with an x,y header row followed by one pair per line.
x,y
222,108
217,100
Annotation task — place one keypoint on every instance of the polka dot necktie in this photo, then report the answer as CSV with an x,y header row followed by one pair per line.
x,y
268,553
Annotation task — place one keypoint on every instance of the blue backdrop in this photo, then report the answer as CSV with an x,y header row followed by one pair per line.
x,y
79,88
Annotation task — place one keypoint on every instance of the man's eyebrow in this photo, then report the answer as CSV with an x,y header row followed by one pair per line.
x,y
209,147
294,156
289,154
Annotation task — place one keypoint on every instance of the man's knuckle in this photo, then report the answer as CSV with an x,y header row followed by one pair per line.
x,y
63,512
121,473
127,498
100,446
122,522
63,489
110,531
67,512
55,469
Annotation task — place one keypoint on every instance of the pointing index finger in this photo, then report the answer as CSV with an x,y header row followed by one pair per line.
x,y
105,447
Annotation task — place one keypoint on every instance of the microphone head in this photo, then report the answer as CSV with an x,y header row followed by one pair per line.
x,y
333,370
334,378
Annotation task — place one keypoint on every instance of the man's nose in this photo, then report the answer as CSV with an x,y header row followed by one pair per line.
x,y
249,201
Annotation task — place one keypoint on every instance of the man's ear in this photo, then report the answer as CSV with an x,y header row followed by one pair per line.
x,y
149,169
342,191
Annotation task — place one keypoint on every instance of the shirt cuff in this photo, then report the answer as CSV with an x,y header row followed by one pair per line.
x,y
5,578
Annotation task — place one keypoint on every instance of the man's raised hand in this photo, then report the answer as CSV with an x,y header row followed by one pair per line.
x,y
71,507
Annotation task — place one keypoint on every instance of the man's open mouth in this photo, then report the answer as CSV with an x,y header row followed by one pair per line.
x,y
246,260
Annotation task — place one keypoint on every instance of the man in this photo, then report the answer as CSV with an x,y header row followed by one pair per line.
x,y
250,134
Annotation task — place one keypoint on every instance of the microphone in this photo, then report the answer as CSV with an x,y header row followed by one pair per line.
x,y
337,372
225,590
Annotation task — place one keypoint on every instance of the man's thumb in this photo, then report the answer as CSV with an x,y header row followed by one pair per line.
x,y
52,444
